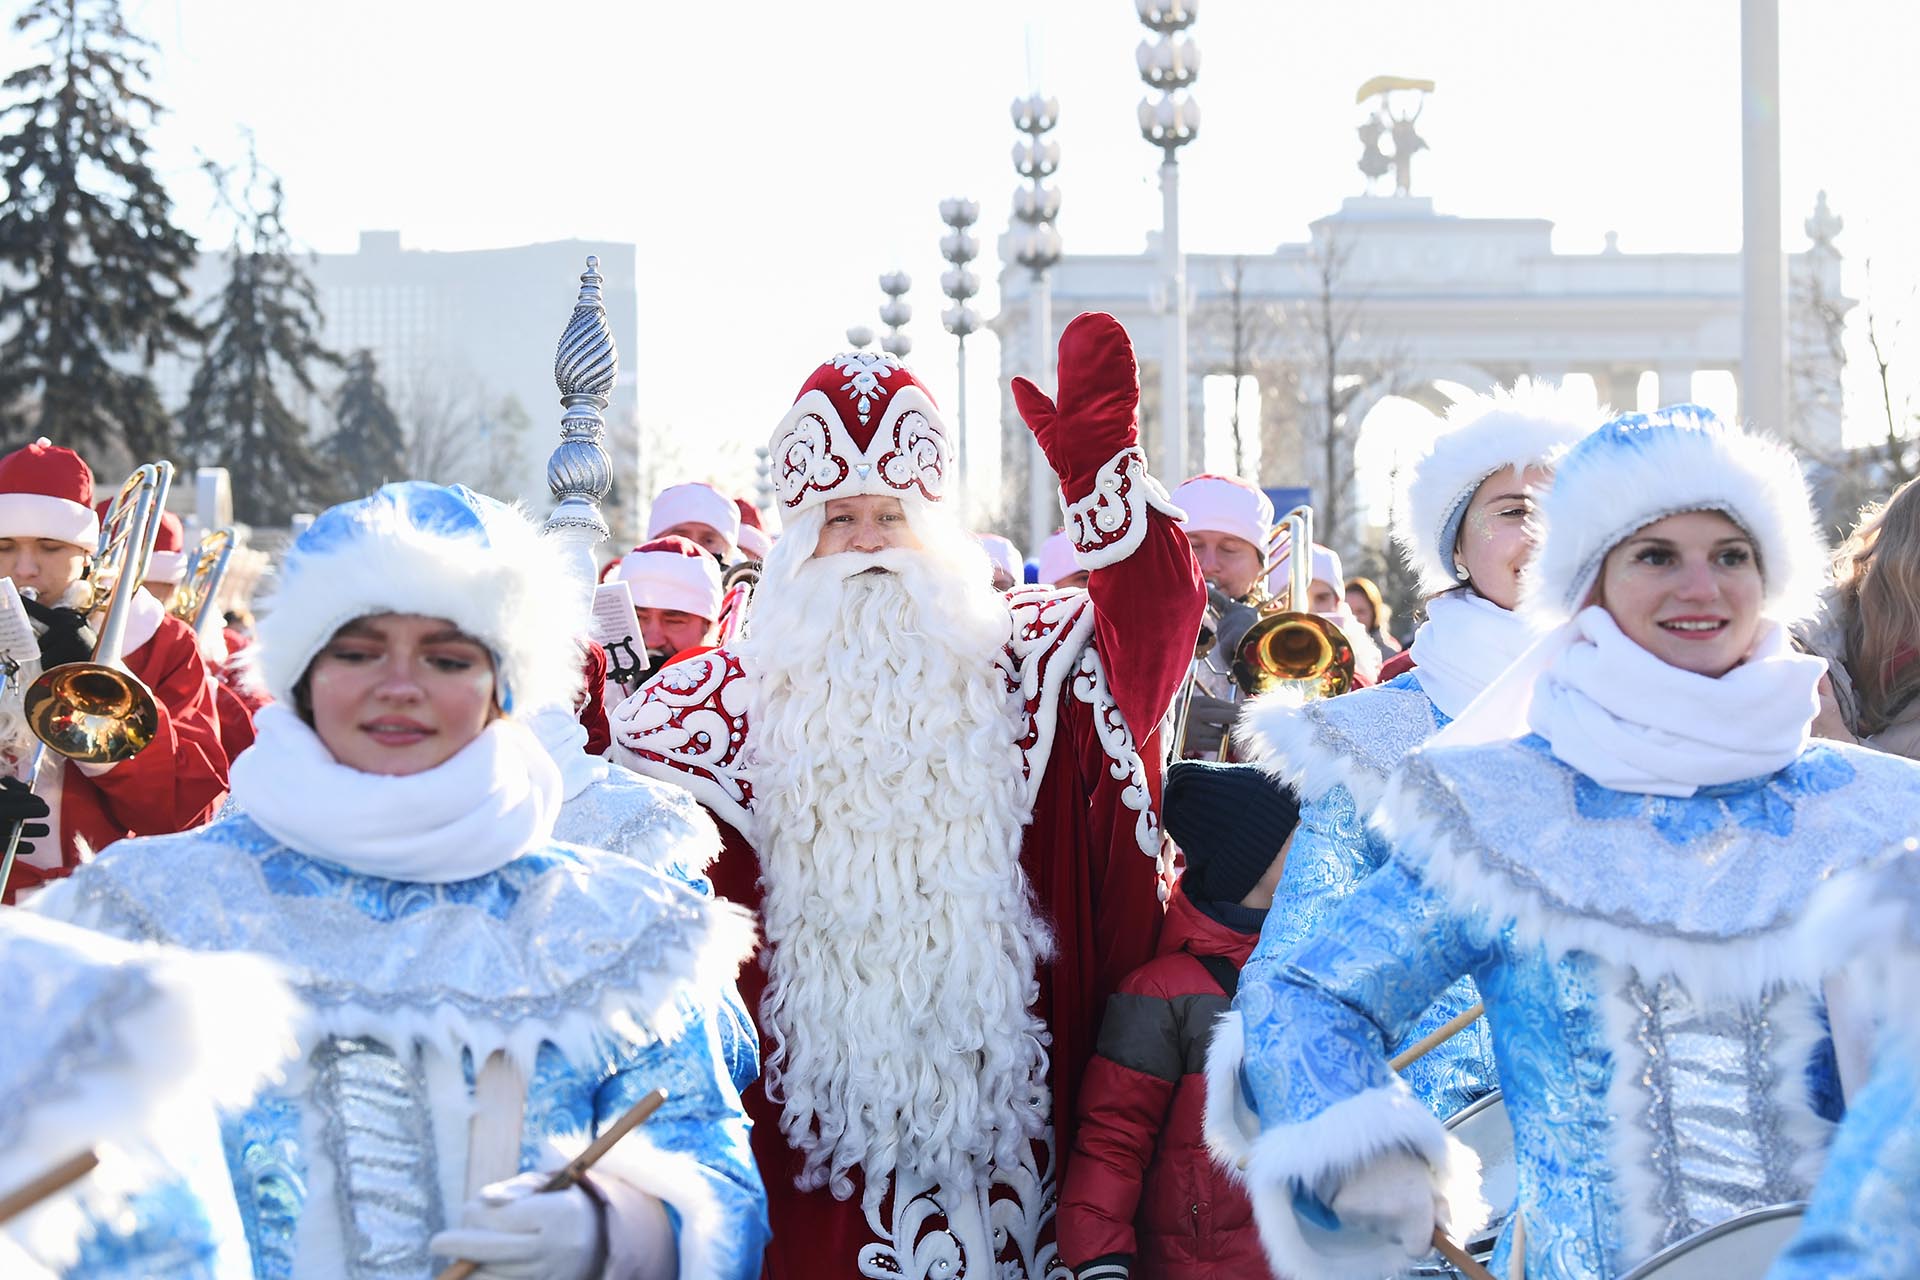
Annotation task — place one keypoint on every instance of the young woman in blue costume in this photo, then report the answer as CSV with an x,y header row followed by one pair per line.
x,y
1465,532
1618,844
482,1000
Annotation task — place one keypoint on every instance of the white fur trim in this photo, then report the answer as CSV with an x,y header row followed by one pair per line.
x,y
41,515
1276,732
1525,425
1736,968
167,566
1628,475
1319,1154
1229,1123
520,594
1109,522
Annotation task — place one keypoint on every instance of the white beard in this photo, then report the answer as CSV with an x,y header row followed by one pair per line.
x,y
903,936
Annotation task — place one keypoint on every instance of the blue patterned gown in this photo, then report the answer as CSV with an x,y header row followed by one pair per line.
x,y
1338,755
125,1051
1651,982
601,978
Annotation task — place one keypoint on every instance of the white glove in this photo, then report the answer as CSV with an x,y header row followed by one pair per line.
x,y
517,1232
1392,1196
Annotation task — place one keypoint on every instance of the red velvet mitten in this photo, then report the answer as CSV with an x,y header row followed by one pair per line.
x,y
1091,437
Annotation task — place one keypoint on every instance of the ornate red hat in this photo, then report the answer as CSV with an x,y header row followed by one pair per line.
x,y
861,425
47,492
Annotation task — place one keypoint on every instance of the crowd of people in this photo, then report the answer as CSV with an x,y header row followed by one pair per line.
x,y
908,909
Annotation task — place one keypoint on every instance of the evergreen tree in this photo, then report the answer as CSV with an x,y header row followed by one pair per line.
x,y
367,447
262,341
87,240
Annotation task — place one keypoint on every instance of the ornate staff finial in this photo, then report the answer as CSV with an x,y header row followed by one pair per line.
x,y
579,474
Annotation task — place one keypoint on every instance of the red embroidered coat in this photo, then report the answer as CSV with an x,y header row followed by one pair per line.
x,y
1097,670
176,783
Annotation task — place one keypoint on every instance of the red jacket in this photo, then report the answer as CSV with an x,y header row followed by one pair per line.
x,y
176,783
1143,1196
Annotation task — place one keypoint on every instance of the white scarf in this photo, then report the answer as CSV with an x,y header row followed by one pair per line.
x,y
565,739
1466,641
1634,723
491,801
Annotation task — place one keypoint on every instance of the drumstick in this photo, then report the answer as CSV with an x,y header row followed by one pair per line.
x,y
1459,1257
1435,1038
62,1175
569,1173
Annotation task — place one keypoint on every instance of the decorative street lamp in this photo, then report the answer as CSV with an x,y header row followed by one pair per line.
x,y
894,312
579,473
859,335
959,283
1037,248
1170,64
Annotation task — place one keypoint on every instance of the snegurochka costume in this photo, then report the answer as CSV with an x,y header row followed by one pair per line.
x,y
431,921
1625,874
1863,1221
125,1051
1338,753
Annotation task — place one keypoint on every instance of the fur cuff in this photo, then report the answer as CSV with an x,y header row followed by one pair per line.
x,y
1316,1155
1283,737
1108,523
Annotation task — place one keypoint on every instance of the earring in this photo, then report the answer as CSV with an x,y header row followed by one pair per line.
x,y
1460,571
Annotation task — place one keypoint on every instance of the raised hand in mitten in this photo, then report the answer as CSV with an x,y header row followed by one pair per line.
x,y
1094,413
66,636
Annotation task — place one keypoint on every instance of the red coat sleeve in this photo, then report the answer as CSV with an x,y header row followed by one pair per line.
x,y
1146,613
1123,1107
181,778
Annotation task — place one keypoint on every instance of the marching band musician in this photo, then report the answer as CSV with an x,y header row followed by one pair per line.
x,y
1004,558
754,541
1058,563
1465,533
1227,523
167,568
48,532
941,800
1618,841
481,999
676,596
699,513
1325,599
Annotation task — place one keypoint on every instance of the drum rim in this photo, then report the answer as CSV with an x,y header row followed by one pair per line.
x,y
1472,1109
1749,1217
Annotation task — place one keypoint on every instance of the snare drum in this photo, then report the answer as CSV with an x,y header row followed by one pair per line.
x,y
1741,1248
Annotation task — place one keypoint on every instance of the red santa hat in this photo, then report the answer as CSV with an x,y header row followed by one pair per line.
x,y
694,503
1324,567
1226,504
1056,558
861,425
169,563
672,573
47,492
753,540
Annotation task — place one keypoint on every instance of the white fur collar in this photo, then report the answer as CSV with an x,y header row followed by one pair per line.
x,y
1355,740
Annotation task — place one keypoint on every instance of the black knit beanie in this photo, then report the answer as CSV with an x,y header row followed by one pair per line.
x,y
1230,820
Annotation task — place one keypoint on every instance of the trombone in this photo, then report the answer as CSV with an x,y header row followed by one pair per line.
x,y
98,712
196,600
737,586
1290,647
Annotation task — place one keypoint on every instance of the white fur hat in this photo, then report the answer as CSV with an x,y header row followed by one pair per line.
x,y
1643,467
440,552
1226,504
672,573
1525,425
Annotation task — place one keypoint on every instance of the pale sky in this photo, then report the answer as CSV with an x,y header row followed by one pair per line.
x,y
771,158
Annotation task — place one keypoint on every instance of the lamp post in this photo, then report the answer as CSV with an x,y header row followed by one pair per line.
x,y
1170,64
859,335
959,283
1037,248
894,312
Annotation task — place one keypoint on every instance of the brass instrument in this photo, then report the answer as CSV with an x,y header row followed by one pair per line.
x,y
1290,647
737,586
196,601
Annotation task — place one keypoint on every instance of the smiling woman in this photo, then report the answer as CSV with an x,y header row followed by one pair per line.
x,y
396,693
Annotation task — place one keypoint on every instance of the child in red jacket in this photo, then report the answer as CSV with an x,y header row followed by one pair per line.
x,y
1143,1197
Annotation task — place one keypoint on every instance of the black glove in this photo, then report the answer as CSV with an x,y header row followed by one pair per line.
x,y
18,803
67,637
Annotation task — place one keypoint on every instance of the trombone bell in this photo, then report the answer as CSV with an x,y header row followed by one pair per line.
x,y
1297,650
92,713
